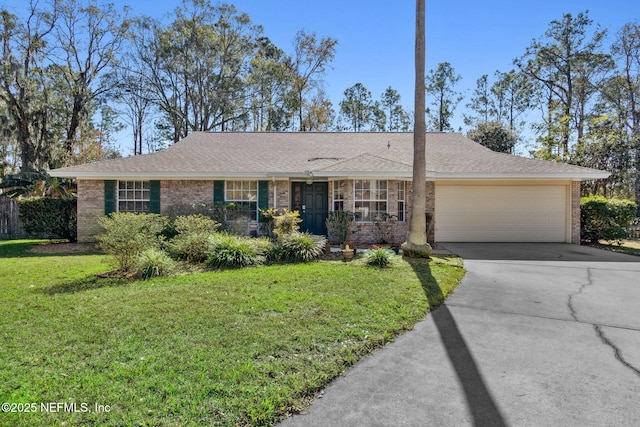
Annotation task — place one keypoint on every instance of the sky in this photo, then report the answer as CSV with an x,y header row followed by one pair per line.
x,y
376,38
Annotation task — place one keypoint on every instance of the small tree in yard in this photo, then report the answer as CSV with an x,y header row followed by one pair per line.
x,y
127,235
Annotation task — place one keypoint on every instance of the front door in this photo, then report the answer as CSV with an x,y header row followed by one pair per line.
x,y
312,201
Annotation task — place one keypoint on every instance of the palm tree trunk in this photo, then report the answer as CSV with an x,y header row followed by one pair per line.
x,y
416,244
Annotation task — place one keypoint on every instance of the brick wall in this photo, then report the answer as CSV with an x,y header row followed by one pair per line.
x,y
90,209
374,233
174,193
430,208
282,194
575,212
91,205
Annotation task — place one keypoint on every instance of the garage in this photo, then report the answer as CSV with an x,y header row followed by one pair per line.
x,y
501,213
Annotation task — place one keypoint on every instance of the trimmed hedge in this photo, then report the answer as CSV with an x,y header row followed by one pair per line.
x,y
605,219
50,216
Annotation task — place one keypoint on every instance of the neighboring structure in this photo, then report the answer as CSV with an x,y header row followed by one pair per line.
x,y
474,194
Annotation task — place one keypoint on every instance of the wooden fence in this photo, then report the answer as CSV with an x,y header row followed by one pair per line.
x,y
10,225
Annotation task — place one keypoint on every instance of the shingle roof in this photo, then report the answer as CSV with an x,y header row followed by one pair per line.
x,y
266,154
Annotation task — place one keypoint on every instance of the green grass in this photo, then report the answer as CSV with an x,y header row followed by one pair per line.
x,y
630,247
238,347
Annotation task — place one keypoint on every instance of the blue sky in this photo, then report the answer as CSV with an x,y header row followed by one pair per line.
x,y
376,38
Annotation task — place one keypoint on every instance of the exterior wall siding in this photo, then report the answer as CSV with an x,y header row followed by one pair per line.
x,y
90,209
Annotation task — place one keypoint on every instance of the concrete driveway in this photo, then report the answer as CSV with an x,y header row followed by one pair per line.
x,y
535,335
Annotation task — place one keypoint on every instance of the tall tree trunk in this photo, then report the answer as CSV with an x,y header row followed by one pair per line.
x,y
416,244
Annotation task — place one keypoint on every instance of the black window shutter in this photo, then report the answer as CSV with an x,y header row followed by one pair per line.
x,y
154,196
218,191
263,194
109,196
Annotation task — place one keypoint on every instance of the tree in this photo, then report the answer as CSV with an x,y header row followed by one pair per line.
x,y
319,115
510,96
395,117
197,68
621,93
310,61
569,66
271,83
494,135
24,89
480,101
440,84
606,146
416,244
357,107
88,40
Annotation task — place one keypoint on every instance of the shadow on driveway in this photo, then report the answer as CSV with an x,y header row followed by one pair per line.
x,y
481,404
535,252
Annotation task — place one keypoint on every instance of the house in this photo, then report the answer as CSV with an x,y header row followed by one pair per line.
x,y
473,193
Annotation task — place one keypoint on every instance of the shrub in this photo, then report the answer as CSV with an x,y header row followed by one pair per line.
x,y
195,224
190,247
230,251
154,263
268,222
303,247
288,222
605,219
379,257
229,215
127,235
50,216
340,225
193,239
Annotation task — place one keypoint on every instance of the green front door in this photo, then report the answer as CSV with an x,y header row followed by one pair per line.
x,y
312,201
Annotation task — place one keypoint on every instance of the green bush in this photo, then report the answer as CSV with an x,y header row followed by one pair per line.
x,y
286,223
190,247
50,216
379,257
340,225
605,219
154,263
231,216
231,251
127,235
193,239
303,247
268,222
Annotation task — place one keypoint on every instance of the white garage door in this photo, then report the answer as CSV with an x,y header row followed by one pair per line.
x,y
518,213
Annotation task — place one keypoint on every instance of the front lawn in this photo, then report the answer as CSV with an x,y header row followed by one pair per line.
x,y
630,247
236,347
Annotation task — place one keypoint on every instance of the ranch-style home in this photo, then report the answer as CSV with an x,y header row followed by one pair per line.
x,y
473,193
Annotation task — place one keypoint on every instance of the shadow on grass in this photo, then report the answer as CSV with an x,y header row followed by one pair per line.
x,y
481,405
85,284
38,249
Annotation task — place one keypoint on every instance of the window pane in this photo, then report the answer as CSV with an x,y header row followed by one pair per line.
x,y
133,196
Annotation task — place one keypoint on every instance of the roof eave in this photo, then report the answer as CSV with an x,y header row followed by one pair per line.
x,y
515,176
162,175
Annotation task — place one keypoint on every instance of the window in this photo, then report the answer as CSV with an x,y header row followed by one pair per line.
x,y
339,190
370,199
133,196
245,195
402,185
